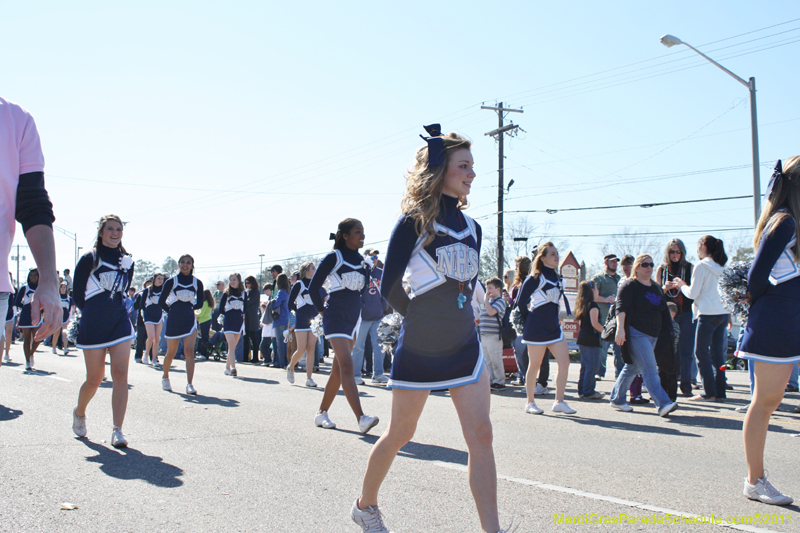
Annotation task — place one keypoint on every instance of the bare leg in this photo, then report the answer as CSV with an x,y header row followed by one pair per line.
x,y
152,340
65,340
172,349
407,407
301,339
120,355
561,354
342,374
535,355
188,352
472,404
233,341
9,334
95,361
156,342
770,383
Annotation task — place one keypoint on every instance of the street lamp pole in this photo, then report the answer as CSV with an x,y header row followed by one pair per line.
x,y
261,270
670,40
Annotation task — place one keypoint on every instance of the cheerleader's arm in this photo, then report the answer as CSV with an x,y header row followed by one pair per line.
x,y
398,254
317,280
82,271
525,294
162,300
769,251
200,296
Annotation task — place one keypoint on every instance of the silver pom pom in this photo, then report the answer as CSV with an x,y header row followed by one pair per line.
x,y
316,326
389,332
517,321
732,286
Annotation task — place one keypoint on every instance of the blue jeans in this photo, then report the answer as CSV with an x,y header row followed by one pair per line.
x,y
590,360
521,355
710,347
367,327
280,347
686,350
642,348
794,376
618,362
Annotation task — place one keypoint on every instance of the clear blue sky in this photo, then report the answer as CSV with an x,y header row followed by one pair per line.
x,y
245,128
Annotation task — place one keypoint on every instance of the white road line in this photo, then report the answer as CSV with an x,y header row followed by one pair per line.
x,y
610,499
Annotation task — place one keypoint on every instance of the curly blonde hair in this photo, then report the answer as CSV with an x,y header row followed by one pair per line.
x,y
424,186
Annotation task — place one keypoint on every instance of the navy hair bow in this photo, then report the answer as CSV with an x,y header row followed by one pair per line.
x,y
332,237
777,174
435,145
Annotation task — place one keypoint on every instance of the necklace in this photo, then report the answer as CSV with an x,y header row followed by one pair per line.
x,y
461,299
672,293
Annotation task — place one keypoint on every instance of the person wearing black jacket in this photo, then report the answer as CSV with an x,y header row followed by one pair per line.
x,y
642,315
252,326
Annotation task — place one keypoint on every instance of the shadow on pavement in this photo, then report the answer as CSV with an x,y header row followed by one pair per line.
x,y
627,426
7,413
259,380
431,452
198,399
128,463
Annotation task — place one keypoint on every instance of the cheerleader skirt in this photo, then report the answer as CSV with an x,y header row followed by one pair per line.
x,y
25,318
340,321
181,321
434,353
771,333
542,326
233,322
303,318
153,314
104,323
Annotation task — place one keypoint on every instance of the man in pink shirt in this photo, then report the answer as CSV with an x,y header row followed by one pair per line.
x,y
24,199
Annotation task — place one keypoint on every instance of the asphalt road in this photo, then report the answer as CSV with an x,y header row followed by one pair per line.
x,y
244,455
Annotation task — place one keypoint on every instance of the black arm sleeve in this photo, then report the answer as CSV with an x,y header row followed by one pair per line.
x,y
323,270
293,296
401,245
33,204
82,271
525,292
769,250
19,296
162,300
625,295
200,295
222,302
141,297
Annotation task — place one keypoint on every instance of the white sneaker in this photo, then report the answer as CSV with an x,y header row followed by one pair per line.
x,y
540,389
370,519
744,408
165,384
322,421
290,375
146,360
190,389
118,439
667,409
359,380
28,366
54,350
78,424
562,407
7,359
764,492
227,371
596,396
365,423
532,409
66,351
380,379
310,383
624,407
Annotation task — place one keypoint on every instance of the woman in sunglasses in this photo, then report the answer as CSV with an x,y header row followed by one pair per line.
x,y
673,270
641,314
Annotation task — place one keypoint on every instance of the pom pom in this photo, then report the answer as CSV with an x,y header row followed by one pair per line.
x,y
732,286
389,332
125,262
316,326
517,321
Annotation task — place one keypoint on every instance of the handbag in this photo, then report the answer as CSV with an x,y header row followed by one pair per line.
x,y
274,313
610,327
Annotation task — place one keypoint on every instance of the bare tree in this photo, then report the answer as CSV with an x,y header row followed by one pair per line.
x,y
521,239
633,242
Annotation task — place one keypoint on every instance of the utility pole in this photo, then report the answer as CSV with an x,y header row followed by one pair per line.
x,y
260,271
499,134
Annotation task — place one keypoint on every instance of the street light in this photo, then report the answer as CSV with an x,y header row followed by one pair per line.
x,y
261,270
671,40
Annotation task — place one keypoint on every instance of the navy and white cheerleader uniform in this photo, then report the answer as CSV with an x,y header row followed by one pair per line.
x,y
179,298
99,292
347,274
303,306
152,312
438,346
771,333
10,312
231,306
23,301
538,304
66,305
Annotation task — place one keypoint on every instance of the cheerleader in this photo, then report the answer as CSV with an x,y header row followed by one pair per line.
x,y
9,323
231,307
67,307
182,294
771,339
538,303
102,277
438,248
153,317
348,274
23,302
301,303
